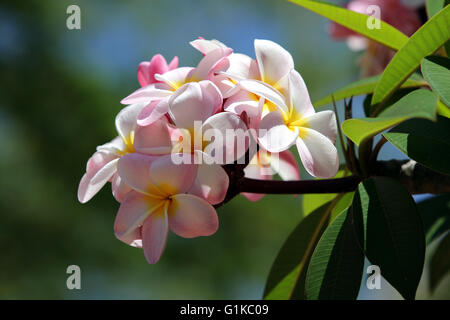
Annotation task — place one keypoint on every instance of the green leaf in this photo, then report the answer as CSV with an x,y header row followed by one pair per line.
x,y
433,6
418,104
424,141
435,213
358,22
286,279
429,38
440,261
365,86
392,232
436,71
336,267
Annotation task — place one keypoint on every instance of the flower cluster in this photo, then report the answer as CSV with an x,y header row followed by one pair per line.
x,y
184,123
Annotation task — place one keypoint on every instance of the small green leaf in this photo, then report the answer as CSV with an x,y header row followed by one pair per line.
x,y
358,22
424,141
365,86
336,267
286,279
418,104
435,213
392,232
436,71
440,261
433,6
429,38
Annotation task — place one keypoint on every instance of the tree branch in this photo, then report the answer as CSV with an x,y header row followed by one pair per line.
x,y
415,177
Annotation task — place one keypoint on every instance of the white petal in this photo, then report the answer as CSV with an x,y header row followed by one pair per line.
x,y
206,46
147,94
323,122
274,62
126,120
298,95
274,135
175,78
318,154
266,91
285,165
90,184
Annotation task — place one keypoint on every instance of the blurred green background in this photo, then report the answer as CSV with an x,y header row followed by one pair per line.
x,y
60,91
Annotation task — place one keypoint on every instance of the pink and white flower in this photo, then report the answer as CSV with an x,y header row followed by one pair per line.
x,y
313,133
158,202
157,65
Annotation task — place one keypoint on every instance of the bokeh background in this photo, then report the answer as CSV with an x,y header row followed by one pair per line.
x,y
59,93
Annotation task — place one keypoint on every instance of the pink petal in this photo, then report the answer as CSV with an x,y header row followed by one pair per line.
x,y
212,62
193,102
119,188
174,63
147,70
155,91
133,211
154,139
274,135
172,178
134,238
274,62
154,236
153,111
211,183
134,169
229,137
318,154
191,216
176,77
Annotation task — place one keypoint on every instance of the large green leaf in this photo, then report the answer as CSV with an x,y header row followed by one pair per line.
x,y
418,104
435,213
429,38
424,141
392,232
386,34
365,86
440,261
336,267
286,279
436,71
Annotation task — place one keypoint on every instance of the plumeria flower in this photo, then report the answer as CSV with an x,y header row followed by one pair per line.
x,y
192,117
313,133
158,202
157,96
262,81
102,166
395,12
265,164
158,65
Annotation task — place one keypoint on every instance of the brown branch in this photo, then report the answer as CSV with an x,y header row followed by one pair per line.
x,y
415,177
